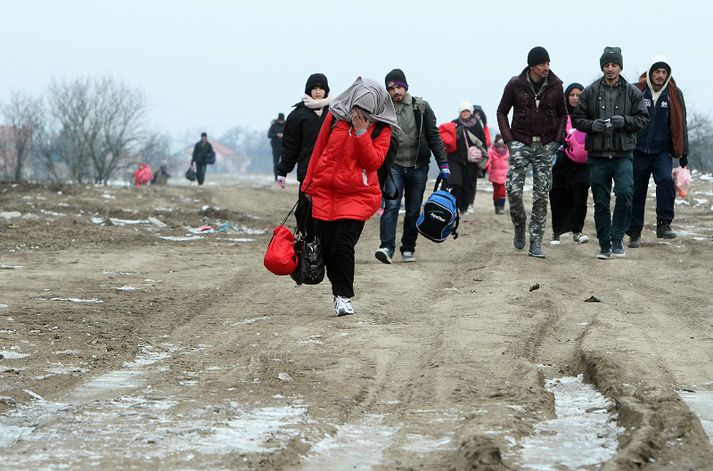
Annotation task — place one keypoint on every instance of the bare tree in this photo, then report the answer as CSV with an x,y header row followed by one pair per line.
x,y
100,123
24,117
700,141
121,115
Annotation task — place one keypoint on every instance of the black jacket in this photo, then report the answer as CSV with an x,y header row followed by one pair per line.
x,y
201,152
300,133
461,153
277,127
429,140
627,102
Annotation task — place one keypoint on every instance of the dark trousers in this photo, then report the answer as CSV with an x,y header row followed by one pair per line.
x,y
338,239
660,166
276,151
604,171
303,215
569,208
200,172
470,185
411,184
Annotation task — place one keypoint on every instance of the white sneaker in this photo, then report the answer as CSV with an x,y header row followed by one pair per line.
x,y
408,256
555,240
343,306
383,255
580,238
470,209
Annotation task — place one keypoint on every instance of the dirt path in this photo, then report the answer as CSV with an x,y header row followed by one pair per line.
x,y
123,349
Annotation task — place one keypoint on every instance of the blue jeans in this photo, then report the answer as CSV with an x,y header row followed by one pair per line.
x,y
620,170
660,165
411,184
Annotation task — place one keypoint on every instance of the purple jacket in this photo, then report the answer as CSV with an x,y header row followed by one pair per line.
x,y
546,121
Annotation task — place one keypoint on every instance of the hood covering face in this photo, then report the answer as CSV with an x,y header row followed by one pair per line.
x,y
658,61
368,95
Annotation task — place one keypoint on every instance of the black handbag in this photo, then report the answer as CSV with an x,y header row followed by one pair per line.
x,y
310,264
191,174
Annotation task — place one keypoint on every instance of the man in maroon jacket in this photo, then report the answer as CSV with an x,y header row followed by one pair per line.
x,y
538,128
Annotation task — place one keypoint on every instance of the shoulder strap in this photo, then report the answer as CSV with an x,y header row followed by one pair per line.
x,y
377,129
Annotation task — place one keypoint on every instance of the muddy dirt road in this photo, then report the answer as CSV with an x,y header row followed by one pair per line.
x,y
132,340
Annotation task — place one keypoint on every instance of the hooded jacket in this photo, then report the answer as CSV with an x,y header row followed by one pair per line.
x,y
342,174
668,129
300,131
540,114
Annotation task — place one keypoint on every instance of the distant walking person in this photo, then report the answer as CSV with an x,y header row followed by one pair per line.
x,y
477,171
665,137
275,135
300,132
470,146
342,179
202,153
611,111
538,128
497,168
418,138
570,179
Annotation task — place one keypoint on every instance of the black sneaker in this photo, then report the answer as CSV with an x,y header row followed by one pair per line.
x,y
604,254
617,248
536,250
663,230
634,241
519,240
383,255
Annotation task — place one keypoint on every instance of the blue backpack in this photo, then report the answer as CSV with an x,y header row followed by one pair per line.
x,y
440,216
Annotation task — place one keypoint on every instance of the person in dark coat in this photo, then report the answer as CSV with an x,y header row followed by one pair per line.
x,y
300,133
570,184
202,153
539,120
664,139
469,133
275,135
611,112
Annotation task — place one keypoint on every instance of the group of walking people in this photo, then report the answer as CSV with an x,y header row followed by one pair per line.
x,y
572,139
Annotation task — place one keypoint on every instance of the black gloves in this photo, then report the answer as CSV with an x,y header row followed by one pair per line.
x,y
617,121
683,161
598,125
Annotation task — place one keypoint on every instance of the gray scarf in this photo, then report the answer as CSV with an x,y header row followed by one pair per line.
x,y
368,95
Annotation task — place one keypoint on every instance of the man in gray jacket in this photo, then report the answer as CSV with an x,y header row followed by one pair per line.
x,y
611,111
418,137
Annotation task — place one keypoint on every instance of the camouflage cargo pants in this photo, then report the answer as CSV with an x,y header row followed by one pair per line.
x,y
540,157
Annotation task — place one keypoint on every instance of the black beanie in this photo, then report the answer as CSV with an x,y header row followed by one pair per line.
x,y
537,55
317,80
613,55
396,77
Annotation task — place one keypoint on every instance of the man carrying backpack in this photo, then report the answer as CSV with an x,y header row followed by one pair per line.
x,y
418,136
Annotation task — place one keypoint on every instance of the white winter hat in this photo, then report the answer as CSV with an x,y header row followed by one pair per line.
x,y
466,105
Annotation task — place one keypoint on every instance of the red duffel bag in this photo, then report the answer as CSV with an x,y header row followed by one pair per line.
x,y
280,257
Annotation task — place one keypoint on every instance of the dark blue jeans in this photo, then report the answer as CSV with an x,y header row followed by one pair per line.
x,y
411,184
660,165
604,171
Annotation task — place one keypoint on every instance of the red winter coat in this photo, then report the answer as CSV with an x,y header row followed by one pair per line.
x,y
341,177
497,165
143,175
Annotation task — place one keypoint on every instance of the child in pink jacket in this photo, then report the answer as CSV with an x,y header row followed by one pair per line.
x,y
497,168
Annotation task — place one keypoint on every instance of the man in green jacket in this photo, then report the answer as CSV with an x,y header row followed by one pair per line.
x,y
611,111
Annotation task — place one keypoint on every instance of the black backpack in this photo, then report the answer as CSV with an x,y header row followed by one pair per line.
x,y
384,172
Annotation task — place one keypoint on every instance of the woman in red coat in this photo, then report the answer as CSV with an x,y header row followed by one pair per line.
x,y
342,181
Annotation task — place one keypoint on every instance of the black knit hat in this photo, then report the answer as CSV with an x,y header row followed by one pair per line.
x,y
396,78
317,80
537,55
613,55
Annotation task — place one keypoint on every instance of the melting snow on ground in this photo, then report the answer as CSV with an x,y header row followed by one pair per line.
x,y
584,433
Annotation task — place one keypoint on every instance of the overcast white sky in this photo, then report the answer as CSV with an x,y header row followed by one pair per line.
x,y
214,64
